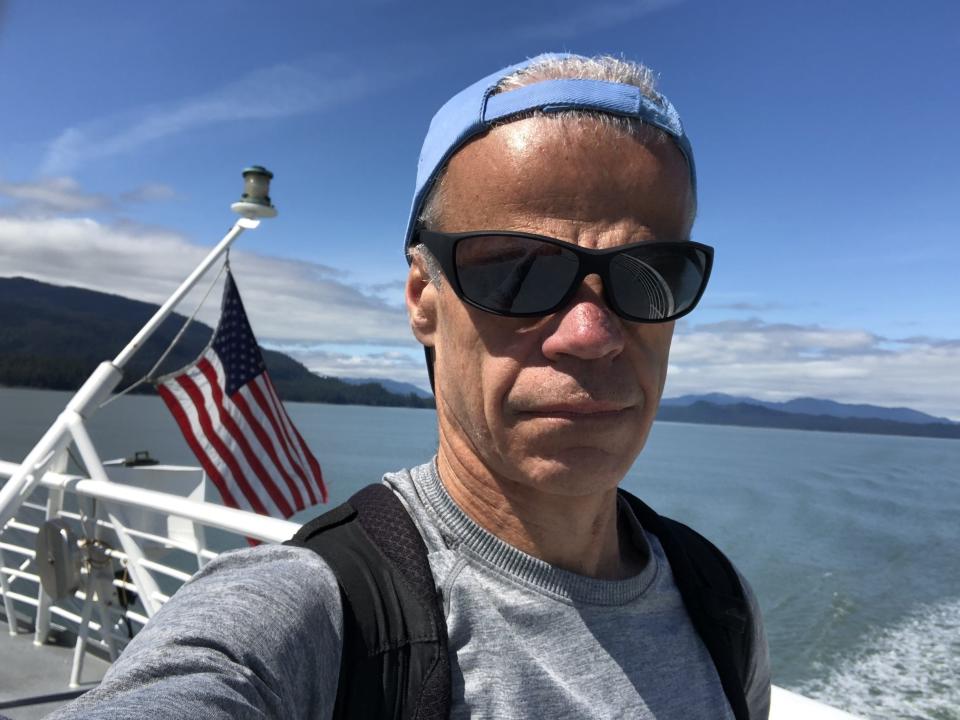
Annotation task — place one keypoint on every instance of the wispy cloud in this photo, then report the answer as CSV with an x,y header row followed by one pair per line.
x,y
783,361
279,91
592,17
52,196
58,196
151,192
926,340
753,307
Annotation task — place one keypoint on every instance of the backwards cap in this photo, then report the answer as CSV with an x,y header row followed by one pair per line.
x,y
474,110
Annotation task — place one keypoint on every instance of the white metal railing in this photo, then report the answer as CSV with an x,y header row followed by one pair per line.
x,y
150,562
144,571
240,522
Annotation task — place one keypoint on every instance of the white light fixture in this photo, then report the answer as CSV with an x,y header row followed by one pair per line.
x,y
255,201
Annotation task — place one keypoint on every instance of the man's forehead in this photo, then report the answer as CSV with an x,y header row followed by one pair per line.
x,y
581,172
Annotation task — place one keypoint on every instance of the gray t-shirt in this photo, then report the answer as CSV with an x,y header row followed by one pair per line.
x,y
257,634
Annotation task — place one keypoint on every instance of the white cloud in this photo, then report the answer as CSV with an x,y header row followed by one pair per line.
x,y
52,196
274,92
781,362
286,299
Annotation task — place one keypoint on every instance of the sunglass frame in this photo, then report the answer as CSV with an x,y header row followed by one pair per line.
x,y
590,262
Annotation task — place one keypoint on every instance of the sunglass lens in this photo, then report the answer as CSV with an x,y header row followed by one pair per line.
x,y
514,275
659,282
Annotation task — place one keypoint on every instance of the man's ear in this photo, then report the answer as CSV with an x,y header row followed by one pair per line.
x,y
421,297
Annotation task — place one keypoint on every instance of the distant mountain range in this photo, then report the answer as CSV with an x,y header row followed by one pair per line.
x,y
394,386
53,337
825,415
811,406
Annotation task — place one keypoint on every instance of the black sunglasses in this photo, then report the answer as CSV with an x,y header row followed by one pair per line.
x,y
522,275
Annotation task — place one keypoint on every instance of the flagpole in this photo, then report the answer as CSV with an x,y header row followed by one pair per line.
x,y
147,330
254,204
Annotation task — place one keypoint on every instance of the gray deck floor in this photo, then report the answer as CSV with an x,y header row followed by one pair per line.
x,y
32,677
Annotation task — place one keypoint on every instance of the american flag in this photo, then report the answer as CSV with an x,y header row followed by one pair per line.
x,y
233,420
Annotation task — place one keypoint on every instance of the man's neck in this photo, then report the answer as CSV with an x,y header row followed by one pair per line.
x,y
580,534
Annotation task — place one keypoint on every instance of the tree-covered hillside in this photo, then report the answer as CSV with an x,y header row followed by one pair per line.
x,y
53,337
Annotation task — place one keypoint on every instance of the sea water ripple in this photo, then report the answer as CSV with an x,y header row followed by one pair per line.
x,y
851,542
910,670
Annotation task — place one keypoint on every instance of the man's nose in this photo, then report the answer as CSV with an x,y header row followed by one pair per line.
x,y
586,328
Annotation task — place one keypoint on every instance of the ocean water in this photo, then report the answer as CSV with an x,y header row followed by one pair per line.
x,y
851,542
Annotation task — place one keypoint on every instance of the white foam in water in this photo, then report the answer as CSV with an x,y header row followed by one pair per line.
x,y
910,670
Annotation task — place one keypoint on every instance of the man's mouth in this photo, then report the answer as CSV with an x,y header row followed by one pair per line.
x,y
581,409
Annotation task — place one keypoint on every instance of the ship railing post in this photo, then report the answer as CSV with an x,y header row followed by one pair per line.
x,y
80,649
86,507
147,589
8,606
200,536
103,585
199,530
44,601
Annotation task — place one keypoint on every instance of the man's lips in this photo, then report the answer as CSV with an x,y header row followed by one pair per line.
x,y
578,409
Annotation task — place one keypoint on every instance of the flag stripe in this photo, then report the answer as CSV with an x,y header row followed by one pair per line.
x,y
314,465
227,421
220,403
304,452
274,402
202,448
225,455
207,446
187,428
272,427
268,412
229,443
267,444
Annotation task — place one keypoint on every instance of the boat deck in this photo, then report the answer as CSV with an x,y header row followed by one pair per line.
x,y
36,679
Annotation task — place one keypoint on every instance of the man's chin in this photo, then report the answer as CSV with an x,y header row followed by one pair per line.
x,y
567,435
574,470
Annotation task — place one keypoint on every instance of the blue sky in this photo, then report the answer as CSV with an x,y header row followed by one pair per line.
x,y
824,132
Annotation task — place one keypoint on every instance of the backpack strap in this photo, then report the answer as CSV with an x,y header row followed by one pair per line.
x,y
394,662
713,596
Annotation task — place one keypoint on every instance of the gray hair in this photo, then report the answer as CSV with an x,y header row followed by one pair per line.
x,y
429,261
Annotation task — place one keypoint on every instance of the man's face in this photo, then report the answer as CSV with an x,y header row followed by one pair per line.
x,y
562,403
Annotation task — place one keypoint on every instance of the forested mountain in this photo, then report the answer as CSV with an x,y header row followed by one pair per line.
x,y
53,337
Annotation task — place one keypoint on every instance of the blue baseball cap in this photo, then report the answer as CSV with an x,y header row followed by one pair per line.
x,y
473,111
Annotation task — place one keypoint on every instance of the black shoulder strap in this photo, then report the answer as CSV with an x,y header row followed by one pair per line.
x,y
714,598
394,662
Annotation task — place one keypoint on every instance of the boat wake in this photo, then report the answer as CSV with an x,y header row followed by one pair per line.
x,y
910,670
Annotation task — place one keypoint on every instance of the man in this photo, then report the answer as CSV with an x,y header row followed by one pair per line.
x,y
550,253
